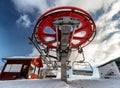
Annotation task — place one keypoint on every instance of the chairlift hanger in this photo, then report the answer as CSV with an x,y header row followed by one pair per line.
x,y
82,71
80,63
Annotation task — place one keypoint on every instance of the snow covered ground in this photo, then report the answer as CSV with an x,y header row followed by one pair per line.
x,y
57,83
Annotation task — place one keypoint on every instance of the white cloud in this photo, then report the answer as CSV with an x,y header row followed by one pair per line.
x,y
87,5
42,5
108,35
30,5
24,20
105,24
34,53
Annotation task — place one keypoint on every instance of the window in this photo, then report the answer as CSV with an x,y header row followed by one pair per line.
x,y
13,68
36,70
32,68
7,68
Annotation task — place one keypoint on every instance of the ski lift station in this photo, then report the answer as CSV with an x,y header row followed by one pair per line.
x,y
57,35
111,69
21,68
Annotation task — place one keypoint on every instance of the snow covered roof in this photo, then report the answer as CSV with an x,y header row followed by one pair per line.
x,y
116,60
18,58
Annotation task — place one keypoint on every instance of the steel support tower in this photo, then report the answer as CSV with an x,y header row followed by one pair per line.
x,y
62,30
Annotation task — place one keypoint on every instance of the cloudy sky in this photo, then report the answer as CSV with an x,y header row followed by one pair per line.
x,y
18,17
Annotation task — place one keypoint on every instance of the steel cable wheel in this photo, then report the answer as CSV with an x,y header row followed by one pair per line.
x,y
45,31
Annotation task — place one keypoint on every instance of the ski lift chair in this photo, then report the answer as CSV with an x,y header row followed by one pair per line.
x,y
51,74
82,68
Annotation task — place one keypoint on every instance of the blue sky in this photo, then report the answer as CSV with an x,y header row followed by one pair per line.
x,y
13,35
18,17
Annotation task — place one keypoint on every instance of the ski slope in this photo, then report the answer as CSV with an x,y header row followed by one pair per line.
x,y
57,83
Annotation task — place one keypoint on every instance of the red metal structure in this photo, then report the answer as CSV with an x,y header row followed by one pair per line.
x,y
85,31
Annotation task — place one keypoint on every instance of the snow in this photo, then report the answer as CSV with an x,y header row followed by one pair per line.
x,y
57,83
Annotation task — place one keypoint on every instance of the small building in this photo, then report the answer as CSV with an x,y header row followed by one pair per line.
x,y
110,69
21,68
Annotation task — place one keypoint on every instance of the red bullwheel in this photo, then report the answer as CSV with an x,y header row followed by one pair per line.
x,y
45,31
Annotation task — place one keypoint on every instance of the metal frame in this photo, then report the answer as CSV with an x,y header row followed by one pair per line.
x,y
88,64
